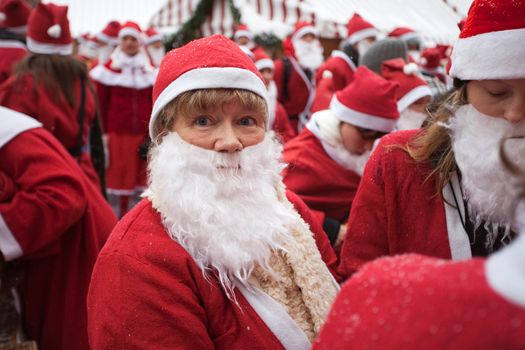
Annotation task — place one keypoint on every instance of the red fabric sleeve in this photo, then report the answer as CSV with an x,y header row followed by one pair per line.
x,y
50,195
7,188
282,125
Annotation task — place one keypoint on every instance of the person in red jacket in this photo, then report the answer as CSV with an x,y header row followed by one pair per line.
x,y
326,160
217,255
13,27
124,85
53,87
442,190
53,223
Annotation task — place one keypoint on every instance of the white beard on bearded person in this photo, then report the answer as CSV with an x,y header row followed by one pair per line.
x,y
488,186
156,54
104,53
223,208
309,54
410,119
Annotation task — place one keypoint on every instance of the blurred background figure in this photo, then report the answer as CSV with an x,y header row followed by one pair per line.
x,y
107,41
154,46
13,27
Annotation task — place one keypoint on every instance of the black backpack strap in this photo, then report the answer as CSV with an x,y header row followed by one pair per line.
x,y
287,71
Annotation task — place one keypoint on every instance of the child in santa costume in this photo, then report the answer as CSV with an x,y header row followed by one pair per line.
x,y
154,46
53,87
295,73
443,190
124,85
327,159
217,255
53,223
13,27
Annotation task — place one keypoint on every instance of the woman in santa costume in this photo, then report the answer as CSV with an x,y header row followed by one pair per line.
x,y
53,223
124,85
218,255
53,87
442,190
327,159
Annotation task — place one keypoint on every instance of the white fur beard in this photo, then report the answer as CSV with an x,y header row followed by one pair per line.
x,y
156,54
488,186
222,208
409,119
309,55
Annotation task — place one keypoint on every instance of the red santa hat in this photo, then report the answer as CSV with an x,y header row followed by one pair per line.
x,y
492,42
152,36
404,33
131,29
359,29
213,62
302,28
262,60
48,30
109,35
368,102
431,58
14,15
242,30
411,86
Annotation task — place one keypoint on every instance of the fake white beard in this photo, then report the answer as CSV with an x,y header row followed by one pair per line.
x,y
104,53
409,119
309,54
156,54
222,208
130,64
488,187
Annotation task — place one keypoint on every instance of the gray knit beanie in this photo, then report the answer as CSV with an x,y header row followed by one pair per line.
x,y
381,51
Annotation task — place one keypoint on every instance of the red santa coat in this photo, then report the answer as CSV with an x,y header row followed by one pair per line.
x,y
417,302
396,211
11,51
52,109
53,222
323,184
147,292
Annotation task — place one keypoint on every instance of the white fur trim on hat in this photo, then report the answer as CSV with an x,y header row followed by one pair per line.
x,y
241,33
305,30
208,78
131,32
151,39
362,34
494,55
412,96
264,63
49,49
359,119
409,36
107,39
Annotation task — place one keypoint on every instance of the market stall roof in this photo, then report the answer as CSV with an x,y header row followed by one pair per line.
x,y
435,20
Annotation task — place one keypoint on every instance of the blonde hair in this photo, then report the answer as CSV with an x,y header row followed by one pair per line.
x,y
201,101
434,144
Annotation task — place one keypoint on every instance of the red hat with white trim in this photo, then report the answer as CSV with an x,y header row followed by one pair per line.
x,y
14,15
411,86
302,28
492,42
109,35
262,60
152,36
48,30
242,30
431,58
404,34
368,102
359,29
131,29
213,62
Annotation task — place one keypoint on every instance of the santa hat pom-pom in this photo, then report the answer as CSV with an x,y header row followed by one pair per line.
x,y
327,74
3,17
54,31
410,69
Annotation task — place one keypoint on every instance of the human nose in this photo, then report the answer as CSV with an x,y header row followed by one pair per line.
x,y
228,141
516,111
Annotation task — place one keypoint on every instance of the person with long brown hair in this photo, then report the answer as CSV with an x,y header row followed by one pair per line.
x,y
53,87
442,190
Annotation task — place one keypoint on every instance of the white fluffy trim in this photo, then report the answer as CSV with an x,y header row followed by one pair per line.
x,y
496,55
362,120
49,49
412,96
362,34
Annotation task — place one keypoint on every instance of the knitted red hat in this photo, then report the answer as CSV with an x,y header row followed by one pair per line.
x,y
131,29
359,29
109,34
411,86
491,44
368,102
404,33
14,15
302,28
213,62
152,36
48,30
262,60
242,30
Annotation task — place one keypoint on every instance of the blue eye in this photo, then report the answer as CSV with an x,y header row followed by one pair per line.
x,y
247,121
202,121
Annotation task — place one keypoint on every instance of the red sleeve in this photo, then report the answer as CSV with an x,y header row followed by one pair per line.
x,y
21,95
50,195
316,226
104,95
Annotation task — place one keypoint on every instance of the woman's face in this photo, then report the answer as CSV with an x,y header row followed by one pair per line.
x,y
498,98
356,140
228,128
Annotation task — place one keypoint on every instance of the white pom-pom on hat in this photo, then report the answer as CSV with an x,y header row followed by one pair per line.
x,y
54,31
410,69
3,17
